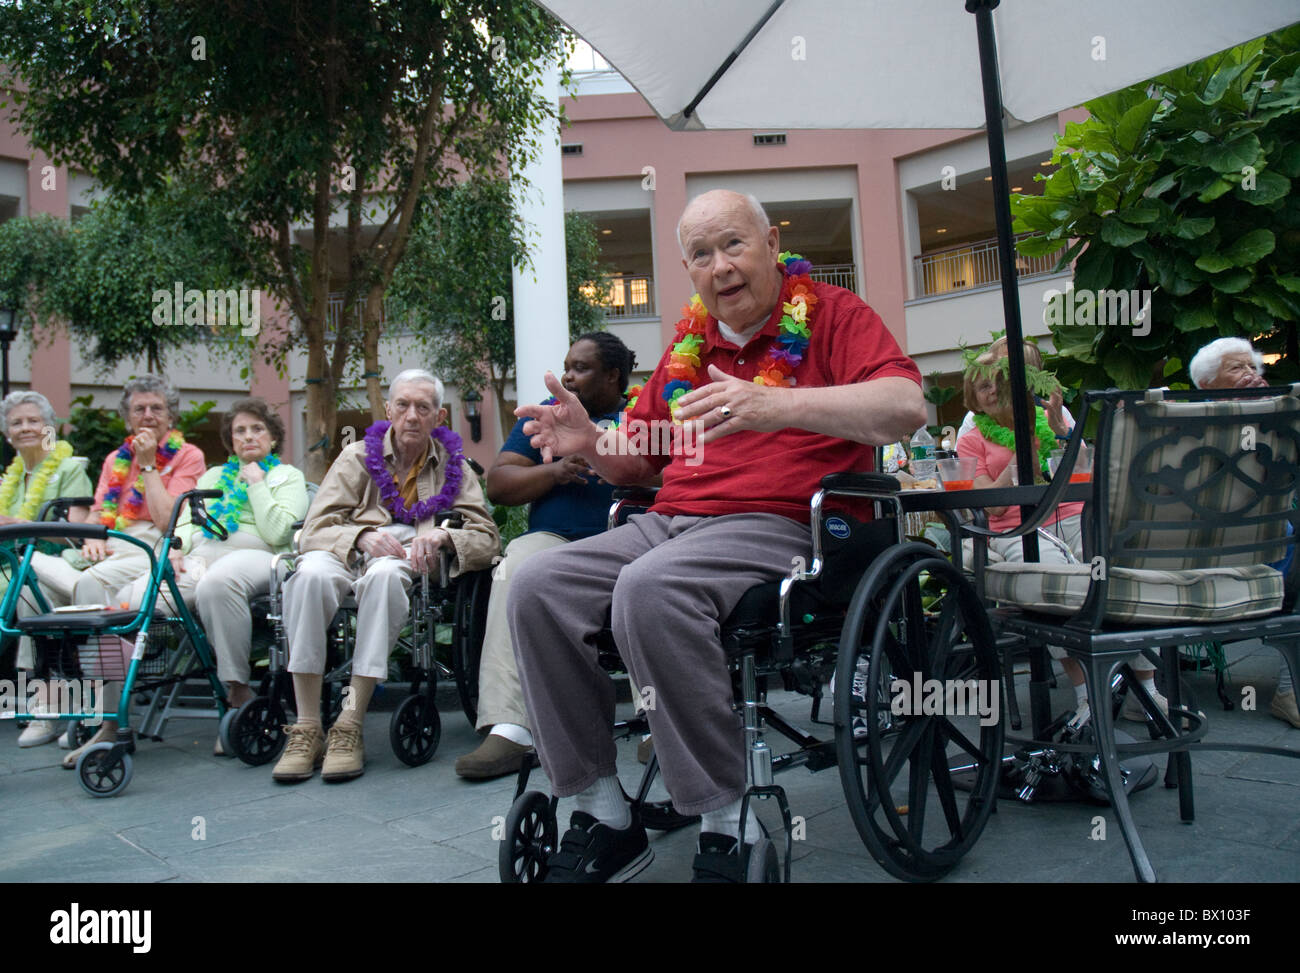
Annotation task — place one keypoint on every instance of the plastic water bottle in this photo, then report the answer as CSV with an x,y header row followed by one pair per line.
x,y
923,463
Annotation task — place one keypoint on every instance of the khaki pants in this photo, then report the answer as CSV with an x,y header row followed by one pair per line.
x,y
221,577
313,593
500,697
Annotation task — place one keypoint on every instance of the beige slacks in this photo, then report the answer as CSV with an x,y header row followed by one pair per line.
x,y
500,697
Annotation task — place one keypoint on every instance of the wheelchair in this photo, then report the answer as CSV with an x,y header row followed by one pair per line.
x,y
441,608
873,606
82,646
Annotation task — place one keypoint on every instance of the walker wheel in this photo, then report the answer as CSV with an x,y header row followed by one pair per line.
x,y
255,731
530,839
415,730
764,867
101,774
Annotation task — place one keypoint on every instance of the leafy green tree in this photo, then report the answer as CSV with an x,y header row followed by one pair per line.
x,y
1182,186
455,284
316,128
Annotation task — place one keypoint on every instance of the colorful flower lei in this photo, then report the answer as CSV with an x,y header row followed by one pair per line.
x,y
40,479
234,493
134,504
388,489
783,357
995,432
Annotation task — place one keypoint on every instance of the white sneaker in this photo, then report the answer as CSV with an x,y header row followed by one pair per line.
x,y
1132,709
39,733
1081,716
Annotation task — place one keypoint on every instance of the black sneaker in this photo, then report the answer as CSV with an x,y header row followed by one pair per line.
x,y
719,860
595,852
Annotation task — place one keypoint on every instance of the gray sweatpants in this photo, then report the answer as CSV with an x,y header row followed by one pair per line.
x,y
668,582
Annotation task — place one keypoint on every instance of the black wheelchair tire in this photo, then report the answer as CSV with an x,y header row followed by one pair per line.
x,y
256,731
530,839
467,638
415,730
887,610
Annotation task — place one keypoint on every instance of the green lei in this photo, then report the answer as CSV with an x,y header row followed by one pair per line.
x,y
994,432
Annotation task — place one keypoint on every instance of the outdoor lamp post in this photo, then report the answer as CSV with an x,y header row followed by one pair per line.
x,y
7,334
471,399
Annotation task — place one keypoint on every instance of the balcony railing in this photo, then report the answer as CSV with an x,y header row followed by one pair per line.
x,y
630,296
971,265
334,311
841,275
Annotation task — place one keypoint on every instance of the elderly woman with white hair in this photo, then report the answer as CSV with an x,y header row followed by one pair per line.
x,y
1233,363
44,469
138,484
1227,363
374,525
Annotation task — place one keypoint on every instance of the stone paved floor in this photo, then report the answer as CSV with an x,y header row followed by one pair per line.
x,y
423,824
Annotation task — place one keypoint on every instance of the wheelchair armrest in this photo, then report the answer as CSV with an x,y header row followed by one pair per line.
x,y
635,493
861,481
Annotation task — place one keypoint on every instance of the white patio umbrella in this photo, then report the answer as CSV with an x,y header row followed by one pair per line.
x,y
906,64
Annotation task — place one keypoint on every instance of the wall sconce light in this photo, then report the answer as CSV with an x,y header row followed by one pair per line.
x,y
471,400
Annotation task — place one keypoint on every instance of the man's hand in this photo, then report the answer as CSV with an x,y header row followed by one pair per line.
x,y
380,543
571,469
729,404
424,550
145,445
94,550
562,429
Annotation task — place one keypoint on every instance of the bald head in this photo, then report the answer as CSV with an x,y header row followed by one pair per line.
x,y
724,199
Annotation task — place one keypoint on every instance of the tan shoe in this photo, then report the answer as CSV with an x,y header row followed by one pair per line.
x,y
302,753
105,734
345,756
495,757
1284,708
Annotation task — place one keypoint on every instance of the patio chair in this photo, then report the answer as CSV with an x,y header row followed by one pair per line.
x,y
1191,496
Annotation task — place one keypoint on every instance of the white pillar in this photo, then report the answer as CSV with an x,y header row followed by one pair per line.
x,y
541,304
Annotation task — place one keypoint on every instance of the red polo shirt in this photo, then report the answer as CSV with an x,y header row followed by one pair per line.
x,y
775,472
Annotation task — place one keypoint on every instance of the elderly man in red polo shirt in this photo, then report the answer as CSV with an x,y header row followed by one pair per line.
x,y
785,380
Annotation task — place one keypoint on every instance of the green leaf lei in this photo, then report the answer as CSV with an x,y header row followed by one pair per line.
x,y
995,432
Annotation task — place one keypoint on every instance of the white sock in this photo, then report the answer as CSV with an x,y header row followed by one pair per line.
x,y
1080,694
514,733
604,801
726,820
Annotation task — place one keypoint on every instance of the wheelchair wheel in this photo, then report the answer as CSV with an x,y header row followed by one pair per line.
x,y
255,731
933,680
764,866
467,638
530,839
415,730
100,776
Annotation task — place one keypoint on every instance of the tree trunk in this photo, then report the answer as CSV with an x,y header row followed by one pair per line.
x,y
371,328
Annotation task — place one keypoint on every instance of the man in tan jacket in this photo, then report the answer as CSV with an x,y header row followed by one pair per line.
x,y
374,525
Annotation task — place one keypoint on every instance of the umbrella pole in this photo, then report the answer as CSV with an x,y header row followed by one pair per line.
x,y
1025,458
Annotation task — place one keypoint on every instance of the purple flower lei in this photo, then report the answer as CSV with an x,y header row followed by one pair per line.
x,y
392,496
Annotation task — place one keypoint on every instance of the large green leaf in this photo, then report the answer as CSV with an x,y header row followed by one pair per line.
x,y
1212,263
1120,234
1233,282
1251,247
1194,318
1269,188
1189,228
1233,154
1134,123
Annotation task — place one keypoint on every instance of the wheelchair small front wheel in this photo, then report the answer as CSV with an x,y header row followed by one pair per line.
x,y
530,839
77,735
764,866
102,775
255,733
415,730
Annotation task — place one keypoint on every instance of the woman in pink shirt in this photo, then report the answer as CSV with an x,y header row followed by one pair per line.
x,y
987,391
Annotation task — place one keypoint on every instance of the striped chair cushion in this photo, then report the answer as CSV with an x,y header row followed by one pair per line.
x,y
1141,596
1141,469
